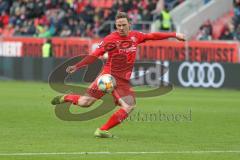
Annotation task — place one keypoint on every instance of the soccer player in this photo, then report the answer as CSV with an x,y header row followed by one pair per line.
x,y
121,46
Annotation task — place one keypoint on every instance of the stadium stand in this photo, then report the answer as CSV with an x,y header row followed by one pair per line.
x,y
69,18
226,27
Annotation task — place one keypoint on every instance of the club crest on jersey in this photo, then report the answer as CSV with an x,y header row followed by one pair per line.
x,y
134,39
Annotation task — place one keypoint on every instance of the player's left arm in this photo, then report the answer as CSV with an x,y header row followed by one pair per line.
x,y
163,35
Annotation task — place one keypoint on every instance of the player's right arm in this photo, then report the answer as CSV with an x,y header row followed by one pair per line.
x,y
160,36
88,59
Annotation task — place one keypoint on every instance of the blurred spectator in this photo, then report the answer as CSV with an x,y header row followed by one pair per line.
x,y
146,16
4,5
227,33
79,5
66,32
166,23
8,31
237,33
127,5
47,49
4,19
135,18
206,31
208,27
151,5
236,18
203,35
89,31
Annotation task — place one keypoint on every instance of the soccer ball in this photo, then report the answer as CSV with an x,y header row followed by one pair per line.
x,y
106,83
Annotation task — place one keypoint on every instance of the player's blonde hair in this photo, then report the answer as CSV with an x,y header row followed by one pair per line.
x,y
122,15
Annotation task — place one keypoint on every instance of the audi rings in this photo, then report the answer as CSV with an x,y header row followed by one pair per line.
x,y
201,74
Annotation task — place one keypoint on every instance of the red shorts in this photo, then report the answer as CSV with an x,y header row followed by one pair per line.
x,y
123,89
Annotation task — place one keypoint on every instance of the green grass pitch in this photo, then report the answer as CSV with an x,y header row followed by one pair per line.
x,y
28,126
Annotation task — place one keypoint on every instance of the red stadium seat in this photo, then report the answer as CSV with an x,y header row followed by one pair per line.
x,y
109,3
102,3
95,3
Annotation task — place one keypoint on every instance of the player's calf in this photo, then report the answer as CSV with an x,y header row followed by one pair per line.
x,y
82,101
86,101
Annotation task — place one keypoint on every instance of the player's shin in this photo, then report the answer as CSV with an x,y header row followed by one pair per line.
x,y
115,119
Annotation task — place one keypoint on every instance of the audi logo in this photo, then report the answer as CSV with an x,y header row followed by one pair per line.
x,y
201,74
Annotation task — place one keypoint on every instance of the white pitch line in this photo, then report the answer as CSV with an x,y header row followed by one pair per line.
x,y
114,153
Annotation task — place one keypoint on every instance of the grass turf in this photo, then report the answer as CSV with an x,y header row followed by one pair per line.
x,y
28,125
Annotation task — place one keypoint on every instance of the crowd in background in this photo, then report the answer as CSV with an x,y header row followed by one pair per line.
x,y
65,18
230,31
82,18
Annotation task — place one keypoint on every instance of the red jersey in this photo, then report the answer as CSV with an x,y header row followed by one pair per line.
x,y
122,51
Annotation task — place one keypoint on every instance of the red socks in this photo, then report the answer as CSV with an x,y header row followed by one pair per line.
x,y
115,119
73,98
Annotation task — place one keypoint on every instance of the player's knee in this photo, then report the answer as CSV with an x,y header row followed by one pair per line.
x,y
127,101
85,102
129,108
